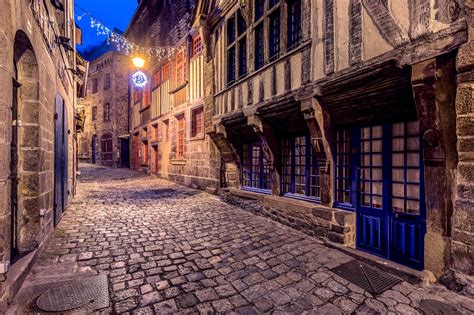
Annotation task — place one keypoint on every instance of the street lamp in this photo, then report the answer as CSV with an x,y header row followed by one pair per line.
x,y
138,62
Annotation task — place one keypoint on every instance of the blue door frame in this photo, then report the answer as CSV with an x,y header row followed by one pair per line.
x,y
60,159
397,236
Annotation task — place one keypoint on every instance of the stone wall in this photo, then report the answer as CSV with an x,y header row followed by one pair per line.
x,y
117,96
42,75
462,245
331,224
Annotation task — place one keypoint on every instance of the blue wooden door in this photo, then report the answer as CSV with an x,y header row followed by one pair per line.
x,y
390,203
60,159
371,214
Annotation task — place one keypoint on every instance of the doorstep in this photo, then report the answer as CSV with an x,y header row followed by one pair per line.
x,y
409,275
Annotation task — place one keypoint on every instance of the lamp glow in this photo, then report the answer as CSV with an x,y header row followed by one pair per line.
x,y
138,62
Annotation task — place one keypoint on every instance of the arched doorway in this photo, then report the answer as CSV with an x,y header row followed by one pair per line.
x,y
25,150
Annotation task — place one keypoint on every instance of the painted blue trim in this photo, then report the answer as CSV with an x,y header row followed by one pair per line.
x,y
302,197
257,190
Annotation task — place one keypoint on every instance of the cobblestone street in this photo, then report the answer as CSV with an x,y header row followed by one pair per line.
x,y
168,248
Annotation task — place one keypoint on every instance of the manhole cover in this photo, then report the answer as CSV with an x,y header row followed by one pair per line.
x,y
433,307
371,279
67,297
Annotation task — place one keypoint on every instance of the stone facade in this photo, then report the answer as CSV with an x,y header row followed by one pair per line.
x,y
168,115
36,130
355,64
105,109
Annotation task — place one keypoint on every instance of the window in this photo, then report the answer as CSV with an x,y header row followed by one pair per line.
x,y
300,173
294,23
156,78
400,168
146,96
180,136
197,46
197,122
144,153
137,95
255,168
166,130
94,113
107,112
166,71
406,178
180,66
236,47
95,85
259,53
274,38
343,168
259,9
107,81
106,147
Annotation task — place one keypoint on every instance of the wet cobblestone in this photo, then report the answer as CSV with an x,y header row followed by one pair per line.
x,y
168,248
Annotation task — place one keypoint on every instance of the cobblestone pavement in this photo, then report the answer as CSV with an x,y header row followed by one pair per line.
x,y
168,248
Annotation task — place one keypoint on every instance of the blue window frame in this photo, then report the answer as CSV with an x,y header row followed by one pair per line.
x,y
274,39
259,53
345,169
294,23
255,168
300,173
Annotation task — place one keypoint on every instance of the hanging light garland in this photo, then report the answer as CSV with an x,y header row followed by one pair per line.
x,y
124,45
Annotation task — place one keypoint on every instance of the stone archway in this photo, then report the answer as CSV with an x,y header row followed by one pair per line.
x,y
27,156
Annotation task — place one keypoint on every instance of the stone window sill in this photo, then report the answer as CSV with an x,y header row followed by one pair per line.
x,y
178,162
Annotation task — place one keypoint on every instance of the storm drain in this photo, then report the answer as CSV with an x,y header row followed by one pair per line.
x,y
371,279
83,295
68,297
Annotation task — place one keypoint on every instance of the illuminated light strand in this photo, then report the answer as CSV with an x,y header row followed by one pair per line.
x,y
124,45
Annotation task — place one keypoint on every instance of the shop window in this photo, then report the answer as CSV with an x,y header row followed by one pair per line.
x,y
146,96
294,23
300,173
370,158
197,122
255,168
107,81
144,153
107,112
181,135
94,113
137,95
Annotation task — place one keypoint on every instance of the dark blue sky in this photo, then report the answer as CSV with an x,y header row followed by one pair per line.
x,y
113,13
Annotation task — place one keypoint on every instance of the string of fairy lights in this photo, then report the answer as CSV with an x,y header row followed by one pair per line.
x,y
121,43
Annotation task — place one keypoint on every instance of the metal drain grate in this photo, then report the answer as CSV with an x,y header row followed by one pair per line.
x,y
67,297
100,301
371,279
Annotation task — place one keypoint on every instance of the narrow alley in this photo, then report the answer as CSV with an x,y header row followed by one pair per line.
x,y
166,248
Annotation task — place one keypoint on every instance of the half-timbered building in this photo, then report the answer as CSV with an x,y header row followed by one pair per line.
x,y
349,120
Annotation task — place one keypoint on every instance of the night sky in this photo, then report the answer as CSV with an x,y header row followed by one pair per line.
x,y
113,13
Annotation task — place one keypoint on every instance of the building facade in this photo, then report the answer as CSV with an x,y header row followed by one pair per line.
x,y
167,115
37,71
349,120
104,139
